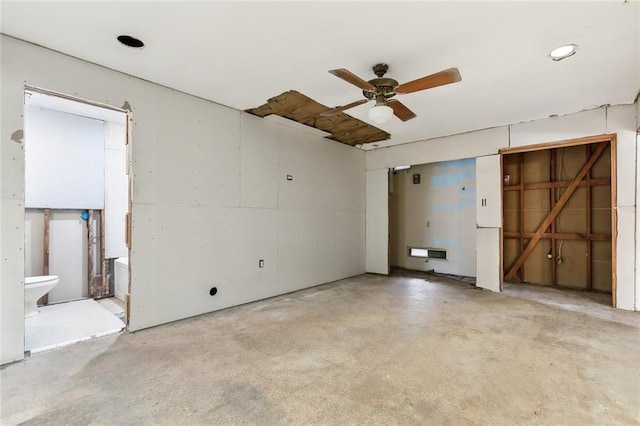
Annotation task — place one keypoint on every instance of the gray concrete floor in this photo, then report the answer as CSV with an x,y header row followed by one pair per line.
x,y
371,349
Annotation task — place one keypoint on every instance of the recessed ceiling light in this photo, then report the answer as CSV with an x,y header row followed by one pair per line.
x,y
129,41
562,52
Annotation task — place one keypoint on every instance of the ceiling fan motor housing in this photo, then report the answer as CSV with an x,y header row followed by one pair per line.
x,y
384,86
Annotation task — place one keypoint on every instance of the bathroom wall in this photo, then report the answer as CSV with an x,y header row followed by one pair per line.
x,y
64,160
116,189
68,251
211,197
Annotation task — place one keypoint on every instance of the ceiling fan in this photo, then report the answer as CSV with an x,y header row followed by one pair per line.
x,y
382,89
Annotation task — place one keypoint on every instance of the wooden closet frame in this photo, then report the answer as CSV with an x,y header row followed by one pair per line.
x,y
582,179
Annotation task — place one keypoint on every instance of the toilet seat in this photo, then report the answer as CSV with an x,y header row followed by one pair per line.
x,y
44,279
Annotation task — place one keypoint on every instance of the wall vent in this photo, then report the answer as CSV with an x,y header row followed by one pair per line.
x,y
427,253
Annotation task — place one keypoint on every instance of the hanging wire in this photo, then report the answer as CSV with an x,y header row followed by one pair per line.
x,y
562,174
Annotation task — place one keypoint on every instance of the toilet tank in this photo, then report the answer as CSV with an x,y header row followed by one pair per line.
x,y
121,284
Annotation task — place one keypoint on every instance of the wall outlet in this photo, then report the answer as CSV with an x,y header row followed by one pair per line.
x,y
261,263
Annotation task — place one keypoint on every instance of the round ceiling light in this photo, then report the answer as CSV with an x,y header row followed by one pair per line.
x,y
380,114
129,41
559,53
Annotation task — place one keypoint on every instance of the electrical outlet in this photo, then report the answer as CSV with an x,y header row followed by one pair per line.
x,y
261,263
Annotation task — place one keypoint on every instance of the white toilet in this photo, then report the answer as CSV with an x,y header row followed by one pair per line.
x,y
34,289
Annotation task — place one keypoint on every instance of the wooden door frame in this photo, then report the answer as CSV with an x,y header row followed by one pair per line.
x,y
611,138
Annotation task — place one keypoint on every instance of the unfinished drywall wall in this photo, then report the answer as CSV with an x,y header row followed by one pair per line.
x,y
34,228
377,235
68,251
433,206
116,189
454,147
64,160
619,119
637,233
68,255
488,222
207,205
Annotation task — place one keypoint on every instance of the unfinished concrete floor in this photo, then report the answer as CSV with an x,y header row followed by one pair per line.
x,y
371,349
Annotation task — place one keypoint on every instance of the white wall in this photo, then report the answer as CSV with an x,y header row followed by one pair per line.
x,y
455,147
436,213
64,160
34,242
488,222
209,198
619,119
68,251
637,233
377,235
116,189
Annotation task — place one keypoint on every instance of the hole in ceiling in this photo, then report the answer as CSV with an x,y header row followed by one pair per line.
x,y
563,52
129,41
297,107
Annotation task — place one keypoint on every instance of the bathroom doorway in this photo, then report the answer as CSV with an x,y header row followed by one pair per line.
x,y
76,204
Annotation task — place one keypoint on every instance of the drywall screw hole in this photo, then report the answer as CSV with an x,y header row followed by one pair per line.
x,y
213,291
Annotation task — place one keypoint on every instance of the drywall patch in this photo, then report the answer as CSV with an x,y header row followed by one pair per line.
x,y
18,136
295,106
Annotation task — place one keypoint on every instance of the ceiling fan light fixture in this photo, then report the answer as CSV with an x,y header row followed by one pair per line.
x,y
380,114
562,52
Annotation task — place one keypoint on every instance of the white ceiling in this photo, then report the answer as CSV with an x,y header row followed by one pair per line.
x,y
242,53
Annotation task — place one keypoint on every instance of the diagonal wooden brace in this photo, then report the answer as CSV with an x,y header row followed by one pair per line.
x,y
555,210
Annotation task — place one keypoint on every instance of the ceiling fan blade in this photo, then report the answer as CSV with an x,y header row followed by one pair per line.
x,y
350,77
452,75
344,107
400,110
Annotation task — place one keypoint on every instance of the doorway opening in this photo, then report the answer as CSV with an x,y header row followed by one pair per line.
x,y
432,218
559,224
76,201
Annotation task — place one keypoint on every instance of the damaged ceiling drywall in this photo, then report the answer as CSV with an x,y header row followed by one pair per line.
x,y
302,109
